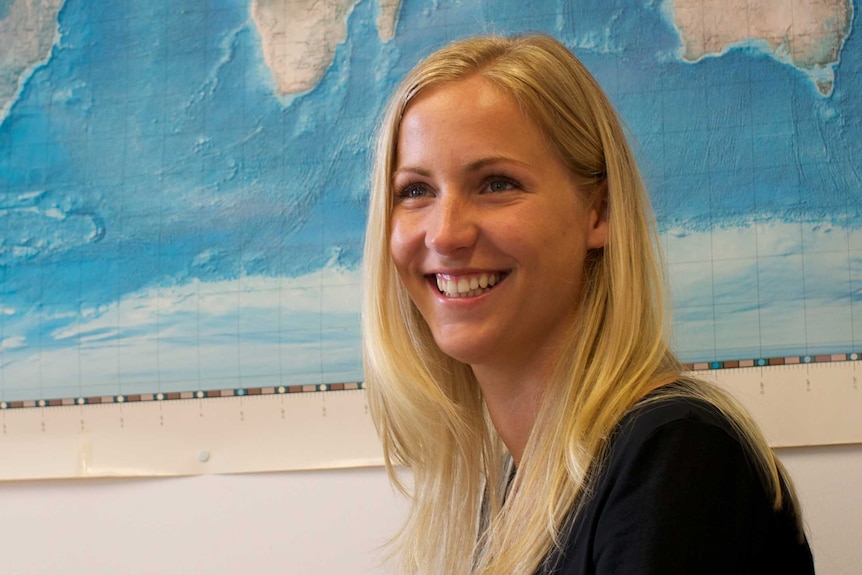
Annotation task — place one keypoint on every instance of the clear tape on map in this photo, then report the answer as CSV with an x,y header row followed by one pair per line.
x,y
231,434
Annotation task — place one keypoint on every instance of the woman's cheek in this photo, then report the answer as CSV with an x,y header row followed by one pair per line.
x,y
402,242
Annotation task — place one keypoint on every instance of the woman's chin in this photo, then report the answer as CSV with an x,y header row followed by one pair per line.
x,y
469,352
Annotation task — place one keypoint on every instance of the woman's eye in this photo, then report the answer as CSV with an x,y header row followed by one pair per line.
x,y
500,185
412,191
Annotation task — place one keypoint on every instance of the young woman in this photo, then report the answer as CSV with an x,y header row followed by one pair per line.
x,y
516,357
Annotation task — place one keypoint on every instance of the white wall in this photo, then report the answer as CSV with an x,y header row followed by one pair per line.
x,y
322,522
291,523
829,483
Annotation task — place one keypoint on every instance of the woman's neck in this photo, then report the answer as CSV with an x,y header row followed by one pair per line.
x,y
513,400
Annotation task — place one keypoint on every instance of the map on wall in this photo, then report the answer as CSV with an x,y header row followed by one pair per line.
x,y
183,184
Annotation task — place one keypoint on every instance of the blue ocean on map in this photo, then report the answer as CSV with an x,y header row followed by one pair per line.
x,y
169,221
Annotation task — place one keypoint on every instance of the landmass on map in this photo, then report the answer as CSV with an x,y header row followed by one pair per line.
x,y
807,34
28,29
299,37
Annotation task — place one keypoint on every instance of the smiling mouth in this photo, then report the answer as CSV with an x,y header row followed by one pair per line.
x,y
469,285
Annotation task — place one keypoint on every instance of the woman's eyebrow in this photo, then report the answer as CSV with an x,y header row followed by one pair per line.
x,y
491,160
412,170
473,166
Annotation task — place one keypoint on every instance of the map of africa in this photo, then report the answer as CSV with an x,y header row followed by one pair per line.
x,y
183,185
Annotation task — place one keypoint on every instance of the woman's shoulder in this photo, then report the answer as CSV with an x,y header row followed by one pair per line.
x,y
679,491
676,424
674,405
682,425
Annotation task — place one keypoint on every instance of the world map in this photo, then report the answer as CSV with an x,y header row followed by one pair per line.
x,y
183,185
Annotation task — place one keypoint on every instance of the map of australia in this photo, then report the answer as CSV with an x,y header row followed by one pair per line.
x,y
807,34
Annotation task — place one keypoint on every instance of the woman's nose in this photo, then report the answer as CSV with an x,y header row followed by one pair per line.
x,y
452,226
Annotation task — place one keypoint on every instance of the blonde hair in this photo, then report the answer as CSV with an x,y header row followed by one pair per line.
x,y
428,408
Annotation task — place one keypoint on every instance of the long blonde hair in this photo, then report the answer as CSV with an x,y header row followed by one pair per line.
x,y
428,408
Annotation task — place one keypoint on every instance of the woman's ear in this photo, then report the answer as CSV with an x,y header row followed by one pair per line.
x,y
597,234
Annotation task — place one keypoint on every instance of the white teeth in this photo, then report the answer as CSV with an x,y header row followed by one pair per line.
x,y
473,286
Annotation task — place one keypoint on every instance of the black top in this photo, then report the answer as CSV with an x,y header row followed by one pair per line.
x,y
678,494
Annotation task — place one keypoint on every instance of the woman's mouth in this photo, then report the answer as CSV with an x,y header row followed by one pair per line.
x,y
467,285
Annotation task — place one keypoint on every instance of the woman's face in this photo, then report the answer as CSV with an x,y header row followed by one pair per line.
x,y
489,230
